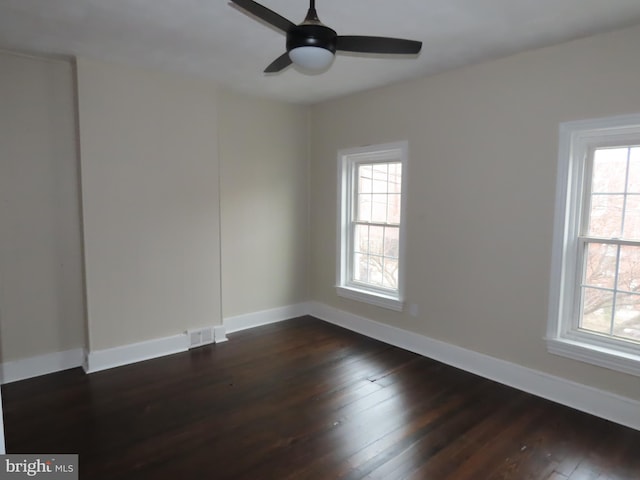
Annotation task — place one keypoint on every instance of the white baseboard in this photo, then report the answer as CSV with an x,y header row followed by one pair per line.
x,y
98,360
219,334
265,317
600,403
40,365
138,352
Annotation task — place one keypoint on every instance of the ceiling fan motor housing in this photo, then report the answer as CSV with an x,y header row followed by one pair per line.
x,y
314,35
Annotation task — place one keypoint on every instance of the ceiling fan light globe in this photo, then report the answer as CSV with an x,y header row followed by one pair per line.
x,y
311,58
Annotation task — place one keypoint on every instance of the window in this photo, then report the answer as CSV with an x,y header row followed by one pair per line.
x,y
370,243
595,288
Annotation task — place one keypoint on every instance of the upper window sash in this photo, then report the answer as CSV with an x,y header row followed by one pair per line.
x,y
384,158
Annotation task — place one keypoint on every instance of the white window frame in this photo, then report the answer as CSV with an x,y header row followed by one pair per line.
x,y
577,140
348,159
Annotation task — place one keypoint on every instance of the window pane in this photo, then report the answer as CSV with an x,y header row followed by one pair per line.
x,y
365,177
376,240
390,279
393,208
375,270
626,322
633,185
609,170
364,207
629,270
380,177
395,177
596,310
361,239
379,209
632,218
391,242
605,219
360,268
600,267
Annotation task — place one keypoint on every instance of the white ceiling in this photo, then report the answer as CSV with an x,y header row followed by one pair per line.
x,y
215,39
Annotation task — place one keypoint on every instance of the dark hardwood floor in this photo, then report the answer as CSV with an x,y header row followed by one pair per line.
x,y
304,399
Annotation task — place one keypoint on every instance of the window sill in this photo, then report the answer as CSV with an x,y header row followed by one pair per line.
x,y
377,299
601,356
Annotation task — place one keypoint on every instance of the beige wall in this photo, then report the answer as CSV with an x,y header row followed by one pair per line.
x,y
41,294
482,171
150,152
150,203
264,199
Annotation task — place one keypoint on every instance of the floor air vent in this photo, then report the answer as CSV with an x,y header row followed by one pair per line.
x,y
202,336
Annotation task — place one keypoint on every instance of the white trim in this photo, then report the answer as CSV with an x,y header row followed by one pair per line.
x,y
347,158
265,317
40,365
576,140
581,397
377,299
601,356
98,360
631,121
219,334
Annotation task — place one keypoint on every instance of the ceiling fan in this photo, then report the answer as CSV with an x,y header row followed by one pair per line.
x,y
312,45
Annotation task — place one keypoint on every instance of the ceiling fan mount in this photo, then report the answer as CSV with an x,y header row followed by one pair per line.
x,y
312,35
312,45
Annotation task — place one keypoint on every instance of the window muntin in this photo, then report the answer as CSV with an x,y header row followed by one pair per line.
x,y
371,224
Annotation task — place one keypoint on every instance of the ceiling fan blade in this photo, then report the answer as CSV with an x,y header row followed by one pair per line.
x,y
280,63
362,44
265,14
